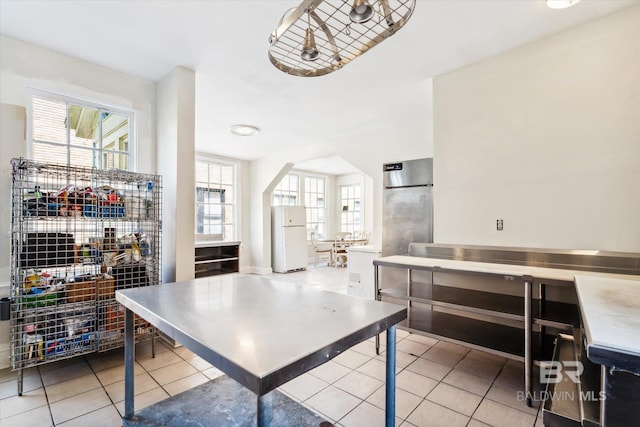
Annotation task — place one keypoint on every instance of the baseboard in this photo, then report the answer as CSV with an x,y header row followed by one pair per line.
x,y
261,270
173,343
245,270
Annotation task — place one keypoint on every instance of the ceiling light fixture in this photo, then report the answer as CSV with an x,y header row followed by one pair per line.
x,y
309,49
561,4
346,30
244,130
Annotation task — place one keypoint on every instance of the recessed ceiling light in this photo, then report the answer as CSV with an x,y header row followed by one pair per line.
x,y
561,4
244,130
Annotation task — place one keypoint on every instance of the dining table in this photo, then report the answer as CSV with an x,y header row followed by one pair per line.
x,y
339,248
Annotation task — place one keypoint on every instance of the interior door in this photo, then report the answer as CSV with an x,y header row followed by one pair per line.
x,y
407,217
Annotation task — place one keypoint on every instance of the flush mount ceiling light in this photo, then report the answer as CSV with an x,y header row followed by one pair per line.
x,y
334,33
561,4
244,130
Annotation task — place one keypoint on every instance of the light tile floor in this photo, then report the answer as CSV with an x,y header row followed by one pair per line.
x,y
438,383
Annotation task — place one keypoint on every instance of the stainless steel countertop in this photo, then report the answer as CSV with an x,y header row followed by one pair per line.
x,y
545,273
259,331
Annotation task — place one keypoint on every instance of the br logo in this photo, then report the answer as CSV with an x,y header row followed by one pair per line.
x,y
555,372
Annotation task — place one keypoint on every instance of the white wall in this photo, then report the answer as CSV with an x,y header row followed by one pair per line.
x,y
402,138
24,66
546,137
12,135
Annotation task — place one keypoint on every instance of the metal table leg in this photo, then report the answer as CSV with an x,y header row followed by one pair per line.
x,y
409,281
603,389
376,296
528,361
265,409
129,356
390,403
20,382
153,342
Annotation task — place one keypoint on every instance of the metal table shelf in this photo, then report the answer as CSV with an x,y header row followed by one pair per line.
x,y
550,313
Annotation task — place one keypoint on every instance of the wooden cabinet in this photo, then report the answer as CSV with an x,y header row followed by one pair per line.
x,y
212,259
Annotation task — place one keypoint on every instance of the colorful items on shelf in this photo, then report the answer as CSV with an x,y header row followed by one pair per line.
x,y
40,289
99,202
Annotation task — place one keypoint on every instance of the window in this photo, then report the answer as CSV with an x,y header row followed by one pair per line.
x,y
215,200
74,133
287,191
350,208
314,200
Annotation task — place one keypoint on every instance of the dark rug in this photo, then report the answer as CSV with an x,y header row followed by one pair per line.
x,y
222,403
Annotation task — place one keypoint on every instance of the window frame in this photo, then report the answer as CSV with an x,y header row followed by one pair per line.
x,y
309,209
288,193
301,196
233,202
350,213
87,103
220,207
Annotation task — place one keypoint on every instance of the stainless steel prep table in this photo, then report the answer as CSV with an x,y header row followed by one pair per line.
x,y
522,275
258,331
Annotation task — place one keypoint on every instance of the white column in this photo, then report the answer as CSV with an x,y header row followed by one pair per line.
x,y
175,131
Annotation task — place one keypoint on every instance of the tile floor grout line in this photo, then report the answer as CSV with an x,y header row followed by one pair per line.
x,y
487,392
46,396
396,373
426,398
84,357
485,396
95,373
153,356
363,400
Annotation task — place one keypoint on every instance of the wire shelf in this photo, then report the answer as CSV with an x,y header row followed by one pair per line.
x,y
338,40
77,235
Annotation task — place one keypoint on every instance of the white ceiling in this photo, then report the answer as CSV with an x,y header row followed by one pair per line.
x,y
226,43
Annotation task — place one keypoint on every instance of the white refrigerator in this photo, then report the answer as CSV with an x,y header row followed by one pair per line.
x,y
288,238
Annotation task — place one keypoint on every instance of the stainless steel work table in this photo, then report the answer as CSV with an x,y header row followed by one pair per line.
x,y
522,275
260,332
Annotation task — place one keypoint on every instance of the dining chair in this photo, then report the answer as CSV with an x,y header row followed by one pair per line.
x,y
343,235
362,237
340,245
320,249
